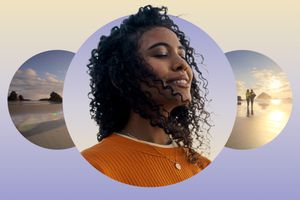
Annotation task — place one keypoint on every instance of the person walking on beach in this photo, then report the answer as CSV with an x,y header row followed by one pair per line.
x,y
248,97
252,96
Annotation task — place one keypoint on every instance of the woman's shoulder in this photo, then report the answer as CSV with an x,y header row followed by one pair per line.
x,y
102,154
104,146
94,153
92,150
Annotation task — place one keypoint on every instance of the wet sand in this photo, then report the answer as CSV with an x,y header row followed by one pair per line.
x,y
254,129
32,107
42,123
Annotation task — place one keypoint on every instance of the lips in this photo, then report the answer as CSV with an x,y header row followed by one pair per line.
x,y
179,81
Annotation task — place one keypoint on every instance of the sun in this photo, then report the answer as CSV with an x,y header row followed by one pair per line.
x,y
275,84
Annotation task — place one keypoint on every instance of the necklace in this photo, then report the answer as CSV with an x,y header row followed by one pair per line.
x,y
175,162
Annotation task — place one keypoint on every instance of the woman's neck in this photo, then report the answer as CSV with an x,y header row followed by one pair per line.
x,y
141,129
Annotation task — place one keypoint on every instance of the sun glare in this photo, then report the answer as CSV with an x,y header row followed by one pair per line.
x,y
275,84
276,101
276,116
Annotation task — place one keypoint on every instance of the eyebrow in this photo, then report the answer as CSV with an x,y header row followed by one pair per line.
x,y
164,44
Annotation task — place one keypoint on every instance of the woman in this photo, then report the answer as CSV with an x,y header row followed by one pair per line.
x,y
146,100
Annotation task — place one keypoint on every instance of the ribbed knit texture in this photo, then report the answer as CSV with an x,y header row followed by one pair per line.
x,y
141,164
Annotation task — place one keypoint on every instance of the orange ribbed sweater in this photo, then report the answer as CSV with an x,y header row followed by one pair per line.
x,y
140,164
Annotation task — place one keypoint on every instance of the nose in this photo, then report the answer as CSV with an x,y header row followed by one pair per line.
x,y
179,64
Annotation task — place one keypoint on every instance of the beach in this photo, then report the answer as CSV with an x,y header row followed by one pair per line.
x,y
41,122
254,129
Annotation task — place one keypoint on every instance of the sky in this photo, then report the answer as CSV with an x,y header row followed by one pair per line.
x,y
258,72
42,74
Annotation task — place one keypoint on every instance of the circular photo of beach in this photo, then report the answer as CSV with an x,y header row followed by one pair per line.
x,y
35,99
264,99
144,99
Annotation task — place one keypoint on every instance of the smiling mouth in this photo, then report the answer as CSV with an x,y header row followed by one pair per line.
x,y
181,83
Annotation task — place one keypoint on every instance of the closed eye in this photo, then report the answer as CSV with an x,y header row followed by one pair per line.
x,y
182,56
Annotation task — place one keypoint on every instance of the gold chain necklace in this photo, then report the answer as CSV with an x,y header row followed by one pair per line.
x,y
176,163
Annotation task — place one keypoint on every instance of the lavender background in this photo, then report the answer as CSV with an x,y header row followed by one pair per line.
x,y
270,172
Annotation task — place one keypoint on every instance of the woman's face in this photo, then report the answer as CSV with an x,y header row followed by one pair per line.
x,y
162,51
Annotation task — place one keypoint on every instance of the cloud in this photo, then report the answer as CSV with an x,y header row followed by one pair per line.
x,y
272,82
26,74
51,77
30,72
32,86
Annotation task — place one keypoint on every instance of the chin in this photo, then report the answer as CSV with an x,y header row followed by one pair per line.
x,y
186,97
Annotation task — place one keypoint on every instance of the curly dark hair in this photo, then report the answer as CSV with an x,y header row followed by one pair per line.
x,y
117,71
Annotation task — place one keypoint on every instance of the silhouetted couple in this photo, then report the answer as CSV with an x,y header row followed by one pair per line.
x,y
250,95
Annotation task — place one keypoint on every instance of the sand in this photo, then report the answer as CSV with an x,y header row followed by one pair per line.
x,y
17,108
42,123
261,127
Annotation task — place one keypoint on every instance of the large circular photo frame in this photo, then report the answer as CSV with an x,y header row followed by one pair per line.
x,y
220,103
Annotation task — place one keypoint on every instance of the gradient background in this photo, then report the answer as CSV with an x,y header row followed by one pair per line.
x,y
31,172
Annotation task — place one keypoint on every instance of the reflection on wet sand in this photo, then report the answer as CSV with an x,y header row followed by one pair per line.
x,y
41,123
258,126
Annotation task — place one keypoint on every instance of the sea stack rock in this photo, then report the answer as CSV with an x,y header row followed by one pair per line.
x,y
54,97
264,95
13,96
